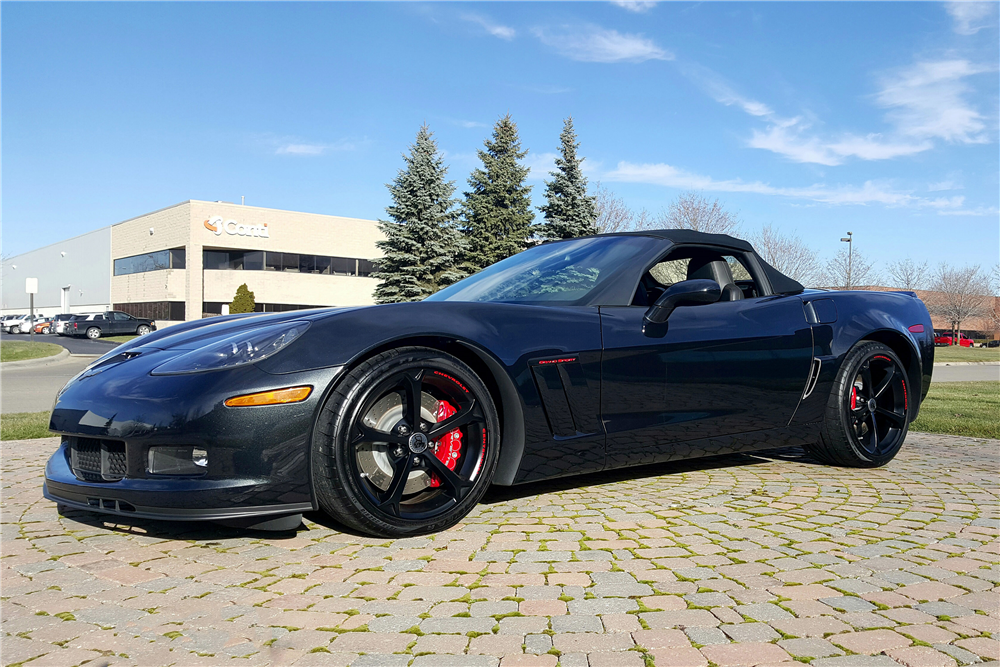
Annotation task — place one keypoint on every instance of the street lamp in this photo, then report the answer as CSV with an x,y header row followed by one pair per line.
x,y
850,257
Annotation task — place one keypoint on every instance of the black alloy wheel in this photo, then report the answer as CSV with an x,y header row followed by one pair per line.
x,y
868,411
406,444
877,404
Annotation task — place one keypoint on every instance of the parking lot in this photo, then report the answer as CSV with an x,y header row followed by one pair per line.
x,y
741,560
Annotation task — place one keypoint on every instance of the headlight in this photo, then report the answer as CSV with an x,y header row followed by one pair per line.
x,y
247,347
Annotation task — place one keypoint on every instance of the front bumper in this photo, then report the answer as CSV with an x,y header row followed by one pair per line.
x,y
258,457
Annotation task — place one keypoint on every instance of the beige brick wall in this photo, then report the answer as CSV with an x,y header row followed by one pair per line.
x,y
183,225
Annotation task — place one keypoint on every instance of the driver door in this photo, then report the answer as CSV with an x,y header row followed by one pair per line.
x,y
713,372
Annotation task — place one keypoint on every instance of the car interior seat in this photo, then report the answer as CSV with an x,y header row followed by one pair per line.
x,y
712,266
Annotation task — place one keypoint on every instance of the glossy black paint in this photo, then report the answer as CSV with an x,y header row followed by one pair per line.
x,y
579,388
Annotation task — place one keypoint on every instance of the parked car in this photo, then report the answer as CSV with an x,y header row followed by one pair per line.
x,y
947,339
43,325
59,323
992,343
6,320
109,323
13,325
570,357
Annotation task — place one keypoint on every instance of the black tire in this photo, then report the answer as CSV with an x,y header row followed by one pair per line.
x,y
93,333
374,471
45,330
854,434
142,330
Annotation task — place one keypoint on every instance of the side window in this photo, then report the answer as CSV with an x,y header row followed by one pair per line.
x,y
687,262
120,317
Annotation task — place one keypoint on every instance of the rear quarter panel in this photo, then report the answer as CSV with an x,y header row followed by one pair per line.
x,y
882,316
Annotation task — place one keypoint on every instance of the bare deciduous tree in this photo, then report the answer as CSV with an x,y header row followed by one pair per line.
x,y
862,273
789,255
693,211
907,274
613,214
962,294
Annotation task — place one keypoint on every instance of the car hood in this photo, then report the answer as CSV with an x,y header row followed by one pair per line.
x,y
199,333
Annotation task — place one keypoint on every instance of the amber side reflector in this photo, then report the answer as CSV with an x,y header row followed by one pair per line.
x,y
276,397
917,328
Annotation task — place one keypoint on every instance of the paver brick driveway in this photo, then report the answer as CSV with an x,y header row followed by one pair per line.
x,y
731,561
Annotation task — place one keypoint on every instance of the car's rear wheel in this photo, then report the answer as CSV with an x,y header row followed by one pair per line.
x,y
868,412
406,444
45,330
93,333
143,330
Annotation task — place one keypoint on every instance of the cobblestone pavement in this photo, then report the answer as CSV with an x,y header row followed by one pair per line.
x,y
733,561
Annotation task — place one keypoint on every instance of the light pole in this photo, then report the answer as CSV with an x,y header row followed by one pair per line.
x,y
850,257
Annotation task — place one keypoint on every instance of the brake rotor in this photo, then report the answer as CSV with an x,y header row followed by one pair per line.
x,y
373,457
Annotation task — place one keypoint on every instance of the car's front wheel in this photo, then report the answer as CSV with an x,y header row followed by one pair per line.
x,y
406,444
868,412
143,330
93,333
45,330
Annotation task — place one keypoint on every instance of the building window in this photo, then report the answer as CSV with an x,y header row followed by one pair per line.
x,y
258,260
212,308
151,261
154,310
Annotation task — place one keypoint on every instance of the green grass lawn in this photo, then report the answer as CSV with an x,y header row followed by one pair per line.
x,y
961,408
118,339
24,425
957,353
19,351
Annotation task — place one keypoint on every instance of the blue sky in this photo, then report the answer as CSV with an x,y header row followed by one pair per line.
x,y
817,118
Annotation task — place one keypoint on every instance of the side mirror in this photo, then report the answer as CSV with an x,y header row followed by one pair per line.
x,y
684,293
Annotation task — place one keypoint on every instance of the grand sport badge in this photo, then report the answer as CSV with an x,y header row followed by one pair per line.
x,y
217,225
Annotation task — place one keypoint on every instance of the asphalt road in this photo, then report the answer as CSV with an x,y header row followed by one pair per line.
x,y
966,373
34,388
74,345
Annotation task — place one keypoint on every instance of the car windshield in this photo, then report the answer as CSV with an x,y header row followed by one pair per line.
x,y
563,273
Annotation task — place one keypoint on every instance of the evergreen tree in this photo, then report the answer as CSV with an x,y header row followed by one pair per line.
x,y
497,209
569,211
422,242
243,302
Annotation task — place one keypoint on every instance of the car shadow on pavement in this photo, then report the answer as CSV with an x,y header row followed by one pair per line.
x,y
207,532
500,494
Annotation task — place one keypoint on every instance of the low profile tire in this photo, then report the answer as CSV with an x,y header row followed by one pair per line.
x,y
406,444
868,412
93,333
142,330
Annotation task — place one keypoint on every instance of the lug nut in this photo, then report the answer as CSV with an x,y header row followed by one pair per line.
x,y
403,429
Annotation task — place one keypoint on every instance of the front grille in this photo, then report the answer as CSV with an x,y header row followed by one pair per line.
x,y
94,460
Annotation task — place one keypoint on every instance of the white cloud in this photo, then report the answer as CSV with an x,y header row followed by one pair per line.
x,y
969,17
928,100
941,186
870,192
495,29
871,147
300,149
637,6
721,90
540,164
591,43
980,211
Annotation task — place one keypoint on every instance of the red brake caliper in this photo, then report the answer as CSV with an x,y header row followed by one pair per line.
x,y
449,447
854,397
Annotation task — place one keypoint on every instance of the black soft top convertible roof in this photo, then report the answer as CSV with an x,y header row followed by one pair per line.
x,y
780,283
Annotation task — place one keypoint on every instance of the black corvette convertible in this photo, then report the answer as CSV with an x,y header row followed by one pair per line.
x,y
570,357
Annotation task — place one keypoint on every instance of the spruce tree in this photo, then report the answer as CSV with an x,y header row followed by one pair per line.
x,y
569,211
422,242
497,213
243,302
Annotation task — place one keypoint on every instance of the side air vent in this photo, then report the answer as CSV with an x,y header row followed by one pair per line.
x,y
814,369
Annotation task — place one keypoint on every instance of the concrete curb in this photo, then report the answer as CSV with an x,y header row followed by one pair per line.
x,y
43,361
967,363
